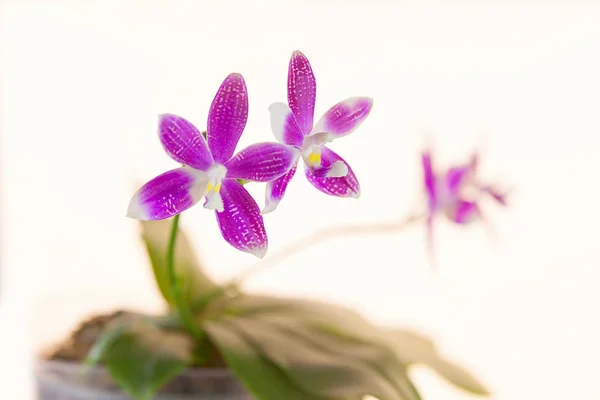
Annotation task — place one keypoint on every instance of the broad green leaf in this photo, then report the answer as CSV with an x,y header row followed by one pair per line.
x,y
371,354
319,367
140,356
416,349
106,339
319,313
258,374
195,285
408,347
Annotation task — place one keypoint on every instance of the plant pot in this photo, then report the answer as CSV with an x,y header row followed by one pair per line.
x,y
59,380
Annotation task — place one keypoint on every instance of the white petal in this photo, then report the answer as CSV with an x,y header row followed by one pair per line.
x,y
214,201
284,125
338,169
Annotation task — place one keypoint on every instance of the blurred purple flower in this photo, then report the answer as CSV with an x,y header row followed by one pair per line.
x,y
293,125
211,170
455,193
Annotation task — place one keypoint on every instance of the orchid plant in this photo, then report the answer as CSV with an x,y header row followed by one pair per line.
x,y
278,348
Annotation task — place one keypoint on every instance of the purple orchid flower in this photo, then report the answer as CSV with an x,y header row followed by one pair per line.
x,y
293,125
455,193
211,170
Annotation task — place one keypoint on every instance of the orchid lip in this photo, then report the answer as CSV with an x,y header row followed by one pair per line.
x,y
216,173
334,176
312,146
338,169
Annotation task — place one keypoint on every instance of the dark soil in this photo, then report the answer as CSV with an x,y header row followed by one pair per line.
x,y
75,348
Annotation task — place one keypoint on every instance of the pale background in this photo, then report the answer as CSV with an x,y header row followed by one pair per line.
x,y
84,82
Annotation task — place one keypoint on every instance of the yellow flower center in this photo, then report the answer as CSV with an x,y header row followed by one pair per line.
x,y
315,157
213,187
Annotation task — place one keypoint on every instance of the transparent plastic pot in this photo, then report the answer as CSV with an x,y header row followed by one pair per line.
x,y
58,380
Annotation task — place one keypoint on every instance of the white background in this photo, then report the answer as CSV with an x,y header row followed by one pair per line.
x,y
84,82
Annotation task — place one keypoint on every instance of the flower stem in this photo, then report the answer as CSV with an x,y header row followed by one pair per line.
x,y
185,314
321,236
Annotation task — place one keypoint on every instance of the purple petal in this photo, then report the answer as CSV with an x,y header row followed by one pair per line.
x,y
276,190
262,162
343,118
240,222
456,177
496,195
168,194
462,211
302,91
429,179
284,125
345,186
227,117
184,142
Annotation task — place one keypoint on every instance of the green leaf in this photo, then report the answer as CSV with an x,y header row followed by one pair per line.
x,y
327,350
319,313
258,374
409,347
334,365
108,336
140,356
195,285
416,349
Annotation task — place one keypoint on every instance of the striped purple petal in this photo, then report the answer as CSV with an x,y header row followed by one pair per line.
x,y
276,190
284,125
240,221
227,117
184,142
344,186
168,194
302,91
343,118
429,179
462,211
262,162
